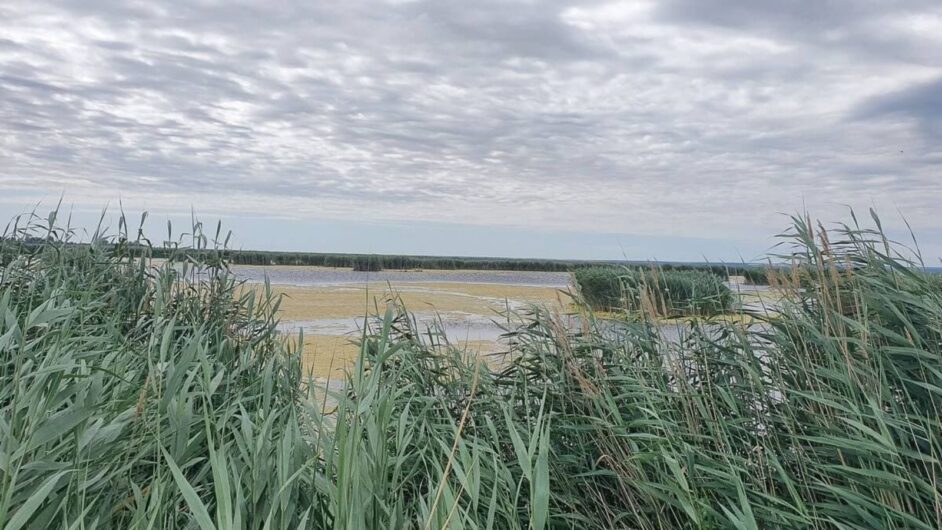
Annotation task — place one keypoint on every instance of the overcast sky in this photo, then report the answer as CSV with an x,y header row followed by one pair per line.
x,y
676,129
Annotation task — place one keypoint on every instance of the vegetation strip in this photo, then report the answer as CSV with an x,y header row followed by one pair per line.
x,y
752,273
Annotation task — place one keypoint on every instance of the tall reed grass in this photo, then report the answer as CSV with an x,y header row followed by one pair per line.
x,y
657,291
145,395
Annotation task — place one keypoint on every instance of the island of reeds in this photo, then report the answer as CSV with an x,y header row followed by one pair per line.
x,y
141,393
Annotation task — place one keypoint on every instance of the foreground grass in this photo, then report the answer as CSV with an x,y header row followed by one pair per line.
x,y
136,396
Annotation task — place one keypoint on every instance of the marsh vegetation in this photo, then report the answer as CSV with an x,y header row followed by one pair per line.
x,y
142,394
656,291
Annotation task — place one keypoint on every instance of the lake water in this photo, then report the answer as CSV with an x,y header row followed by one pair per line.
x,y
457,325
325,276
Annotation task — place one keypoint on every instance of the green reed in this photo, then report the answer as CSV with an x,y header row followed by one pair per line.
x,y
143,394
656,290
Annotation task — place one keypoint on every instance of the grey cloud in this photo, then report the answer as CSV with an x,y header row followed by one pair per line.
x,y
796,18
498,28
657,121
921,103
9,44
789,16
856,26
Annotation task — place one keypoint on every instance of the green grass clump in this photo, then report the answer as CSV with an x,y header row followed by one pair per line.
x,y
658,291
138,396
143,395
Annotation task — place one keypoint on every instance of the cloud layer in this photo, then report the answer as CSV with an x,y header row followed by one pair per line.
x,y
677,117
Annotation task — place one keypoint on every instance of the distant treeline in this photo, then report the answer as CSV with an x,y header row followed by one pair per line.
x,y
755,274
375,262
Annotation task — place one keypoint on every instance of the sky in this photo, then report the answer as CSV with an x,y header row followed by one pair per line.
x,y
669,129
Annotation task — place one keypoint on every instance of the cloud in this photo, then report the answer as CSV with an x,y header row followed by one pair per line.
x,y
682,117
921,104
885,31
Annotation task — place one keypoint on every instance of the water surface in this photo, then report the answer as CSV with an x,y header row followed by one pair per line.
x,y
308,276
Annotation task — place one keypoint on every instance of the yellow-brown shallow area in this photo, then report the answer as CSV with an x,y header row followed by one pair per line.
x,y
328,355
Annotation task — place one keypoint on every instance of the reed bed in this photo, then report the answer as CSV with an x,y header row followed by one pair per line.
x,y
654,290
143,395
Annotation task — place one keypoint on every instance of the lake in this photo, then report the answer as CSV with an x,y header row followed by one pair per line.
x,y
468,306
290,275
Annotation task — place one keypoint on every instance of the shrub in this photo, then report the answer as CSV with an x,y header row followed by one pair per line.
x,y
662,292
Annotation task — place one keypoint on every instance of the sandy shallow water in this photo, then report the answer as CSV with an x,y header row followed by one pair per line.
x,y
470,314
330,305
